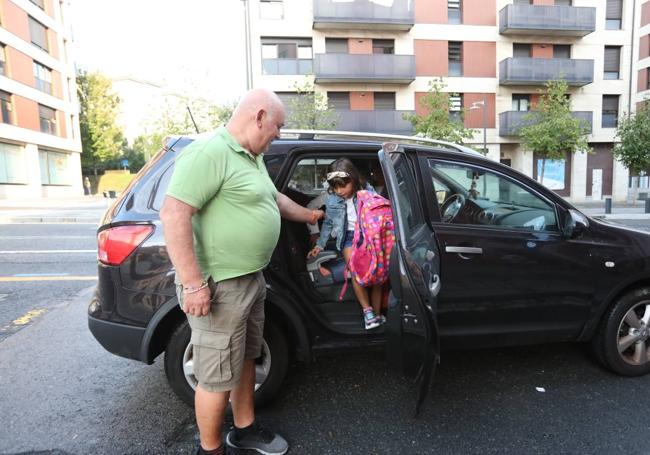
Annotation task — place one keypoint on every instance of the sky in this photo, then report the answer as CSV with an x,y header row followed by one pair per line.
x,y
191,47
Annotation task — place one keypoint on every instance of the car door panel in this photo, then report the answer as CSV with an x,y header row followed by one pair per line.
x,y
411,329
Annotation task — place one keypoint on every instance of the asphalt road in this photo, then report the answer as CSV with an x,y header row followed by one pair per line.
x,y
62,393
42,265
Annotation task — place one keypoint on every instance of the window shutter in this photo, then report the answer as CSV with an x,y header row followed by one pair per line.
x,y
610,103
384,101
339,100
614,9
612,58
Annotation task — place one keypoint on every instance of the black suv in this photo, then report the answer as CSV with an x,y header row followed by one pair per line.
x,y
485,256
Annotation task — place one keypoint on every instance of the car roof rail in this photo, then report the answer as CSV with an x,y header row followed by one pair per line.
x,y
328,134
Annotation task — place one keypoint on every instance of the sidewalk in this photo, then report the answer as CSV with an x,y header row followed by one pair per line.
x,y
88,209
620,210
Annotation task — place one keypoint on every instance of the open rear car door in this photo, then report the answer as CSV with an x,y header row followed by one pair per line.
x,y
413,344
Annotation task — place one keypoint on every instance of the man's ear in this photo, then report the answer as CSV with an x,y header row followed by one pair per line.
x,y
259,117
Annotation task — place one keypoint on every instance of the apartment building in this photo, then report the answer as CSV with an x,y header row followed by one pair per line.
x,y
40,144
374,60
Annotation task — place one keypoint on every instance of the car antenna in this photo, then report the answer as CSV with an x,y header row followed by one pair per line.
x,y
192,117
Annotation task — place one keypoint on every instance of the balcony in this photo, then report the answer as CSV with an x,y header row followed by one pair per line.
x,y
388,121
364,14
547,20
537,71
380,68
278,66
511,121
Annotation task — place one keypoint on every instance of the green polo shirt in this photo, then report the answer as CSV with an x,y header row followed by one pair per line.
x,y
237,224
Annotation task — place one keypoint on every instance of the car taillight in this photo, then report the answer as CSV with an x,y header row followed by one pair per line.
x,y
116,243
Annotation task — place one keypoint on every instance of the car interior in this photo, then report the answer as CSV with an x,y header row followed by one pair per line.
x,y
322,278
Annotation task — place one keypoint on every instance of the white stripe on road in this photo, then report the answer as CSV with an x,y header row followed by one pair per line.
x,y
45,237
47,251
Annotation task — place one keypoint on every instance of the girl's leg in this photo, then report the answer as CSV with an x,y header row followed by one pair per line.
x,y
376,294
360,292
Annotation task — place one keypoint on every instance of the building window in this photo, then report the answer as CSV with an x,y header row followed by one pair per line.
x,y
520,102
39,3
612,62
455,58
280,56
383,46
523,2
271,9
563,2
13,168
6,107
456,107
384,101
38,34
613,14
339,101
647,79
610,111
521,50
42,78
454,11
561,51
336,46
54,168
3,60
47,119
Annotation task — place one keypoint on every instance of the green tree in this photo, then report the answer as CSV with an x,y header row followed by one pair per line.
x,y
309,110
436,124
101,137
550,130
634,149
220,114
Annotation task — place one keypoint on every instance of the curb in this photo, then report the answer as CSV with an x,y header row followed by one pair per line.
x,y
621,216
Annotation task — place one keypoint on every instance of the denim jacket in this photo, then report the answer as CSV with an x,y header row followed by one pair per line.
x,y
336,219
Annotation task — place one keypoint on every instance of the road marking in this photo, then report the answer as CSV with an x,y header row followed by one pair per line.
x,y
28,317
46,251
3,297
8,279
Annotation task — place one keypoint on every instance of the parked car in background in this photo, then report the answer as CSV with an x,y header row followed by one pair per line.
x,y
485,257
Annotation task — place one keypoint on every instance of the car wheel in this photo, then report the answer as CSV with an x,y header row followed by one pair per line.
x,y
270,368
623,340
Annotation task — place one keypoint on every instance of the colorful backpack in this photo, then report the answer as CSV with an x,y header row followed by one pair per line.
x,y
374,237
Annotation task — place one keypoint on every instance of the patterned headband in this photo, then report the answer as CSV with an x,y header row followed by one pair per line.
x,y
339,174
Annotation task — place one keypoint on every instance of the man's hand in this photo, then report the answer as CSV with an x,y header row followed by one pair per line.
x,y
197,303
317,215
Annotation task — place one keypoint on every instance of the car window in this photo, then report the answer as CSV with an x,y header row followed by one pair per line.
x,y
310,176
159,190
473,195
407,194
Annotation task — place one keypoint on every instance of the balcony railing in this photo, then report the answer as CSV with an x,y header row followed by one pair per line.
x,y
537,71
547,20
510,122
275,66
364,14
386,68
388,121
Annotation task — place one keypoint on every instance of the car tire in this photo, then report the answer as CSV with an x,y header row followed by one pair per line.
x,y
274,362
623,339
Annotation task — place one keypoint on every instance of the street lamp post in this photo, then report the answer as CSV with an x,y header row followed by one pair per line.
x,y
482,105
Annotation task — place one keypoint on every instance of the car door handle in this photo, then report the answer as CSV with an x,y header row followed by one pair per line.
x,y
463,250
434,285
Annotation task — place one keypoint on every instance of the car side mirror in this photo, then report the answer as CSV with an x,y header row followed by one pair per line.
x,y
575,225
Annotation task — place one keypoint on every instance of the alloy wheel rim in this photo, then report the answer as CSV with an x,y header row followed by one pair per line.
x,y
262,366
633,342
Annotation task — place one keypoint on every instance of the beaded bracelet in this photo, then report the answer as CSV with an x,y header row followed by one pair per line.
x,y
189,290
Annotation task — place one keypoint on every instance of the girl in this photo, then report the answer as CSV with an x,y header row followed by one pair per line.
x,y
344,182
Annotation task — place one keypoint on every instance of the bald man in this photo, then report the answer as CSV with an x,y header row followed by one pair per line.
x,y
221,219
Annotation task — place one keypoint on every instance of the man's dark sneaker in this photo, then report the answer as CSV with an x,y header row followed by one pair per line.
x,y
256,437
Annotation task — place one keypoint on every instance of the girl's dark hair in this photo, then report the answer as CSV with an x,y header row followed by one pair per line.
x,y
344,165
